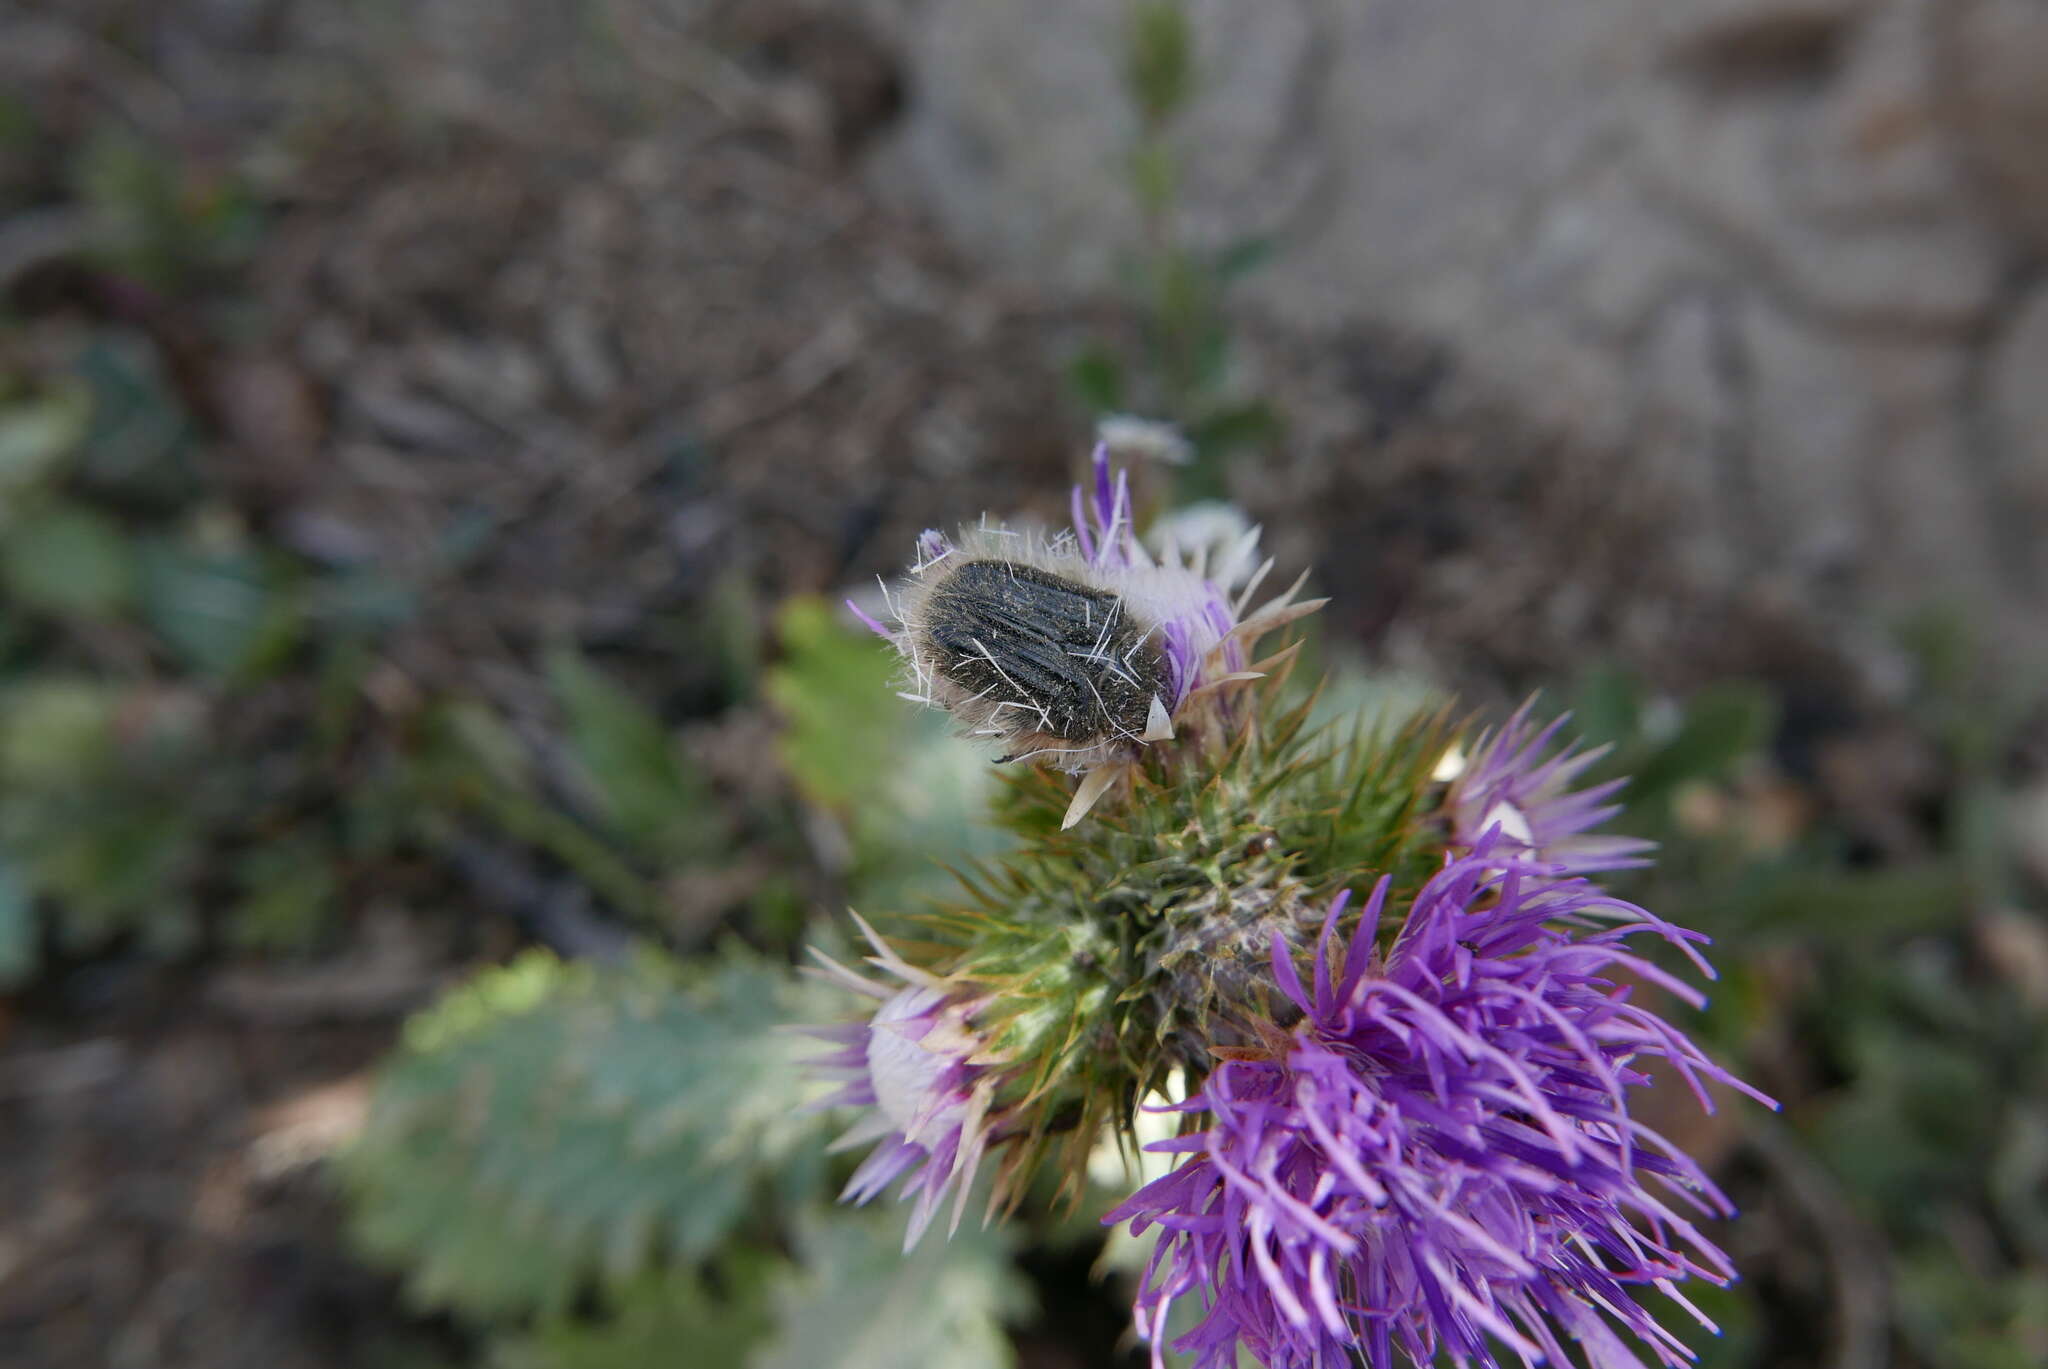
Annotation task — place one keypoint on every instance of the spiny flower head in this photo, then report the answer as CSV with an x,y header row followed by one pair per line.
x,y
1440,1150
1425,1150
1511,788
916,1066
1081,648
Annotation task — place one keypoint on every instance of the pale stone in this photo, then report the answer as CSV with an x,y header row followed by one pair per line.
x,y
1028,100
1748,30
1991,63
1834,191
1807,422
1737,238
1690,409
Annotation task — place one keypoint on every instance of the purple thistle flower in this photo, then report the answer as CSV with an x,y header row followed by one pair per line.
x,y
1510,787
1439,1157
1082,647
916,1066
1197,595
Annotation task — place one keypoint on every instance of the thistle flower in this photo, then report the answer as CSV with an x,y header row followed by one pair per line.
x,y
1510,787
916,1066
1080,649
1425,1150
1440,1150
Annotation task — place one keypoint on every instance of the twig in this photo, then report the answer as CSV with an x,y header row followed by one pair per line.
x,y
827,352
1862,1280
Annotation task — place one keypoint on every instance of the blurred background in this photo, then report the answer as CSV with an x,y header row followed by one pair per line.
x,y
434,434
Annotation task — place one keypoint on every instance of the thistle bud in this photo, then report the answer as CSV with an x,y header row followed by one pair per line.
x,y
1511,788
911,1067
1079,649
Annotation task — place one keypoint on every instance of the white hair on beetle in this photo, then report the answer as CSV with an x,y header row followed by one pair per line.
x,y
1079,649
1126,647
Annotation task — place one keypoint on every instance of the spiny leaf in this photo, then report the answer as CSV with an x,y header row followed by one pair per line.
x,y
841,725
858,1302
552,1124
649,1321
630,760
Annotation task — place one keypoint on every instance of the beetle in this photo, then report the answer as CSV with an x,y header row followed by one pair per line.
x,y
1047,663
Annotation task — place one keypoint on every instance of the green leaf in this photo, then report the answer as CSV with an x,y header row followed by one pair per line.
x,y
19,953
842,721
551,1124
289,891
471,761
36,436
858,1302
158,219
364,599
68,561
103,809
648,1320
140,442
1154,177
630,761
912,794
221,612
1159,59
1222,431
1723,723
1098,378
1243,257
56,732
1851,908
477,744
116,871
1607,706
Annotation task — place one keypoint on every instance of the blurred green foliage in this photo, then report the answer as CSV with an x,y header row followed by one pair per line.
x,y
1180,372
594,1164
855,1300
125,616
845,1295
163,219
646,1321
188,758
1159,60
910,798
1918,1087
538,1155
98,811
553,1132
552,1125
643,790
